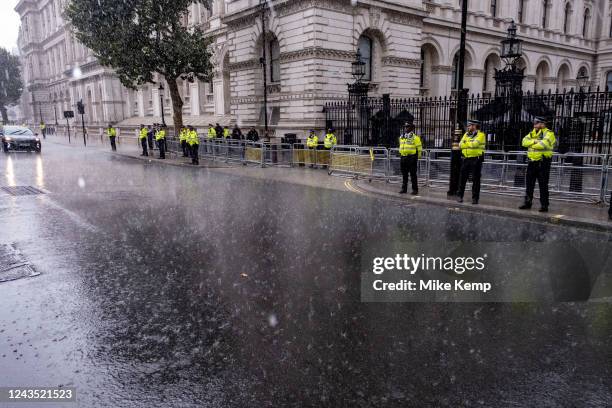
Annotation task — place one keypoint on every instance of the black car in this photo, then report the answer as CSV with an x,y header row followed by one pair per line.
x,y
19,138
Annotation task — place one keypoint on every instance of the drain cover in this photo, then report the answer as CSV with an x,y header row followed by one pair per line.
x,y
21,190
13,265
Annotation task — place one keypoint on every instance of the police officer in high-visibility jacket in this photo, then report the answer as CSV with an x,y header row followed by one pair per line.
x,y
142,137
212,133
472,147
312,142
112,136
194,145
43,129
183,141
160,138
330,139
226,133
540,143
410,148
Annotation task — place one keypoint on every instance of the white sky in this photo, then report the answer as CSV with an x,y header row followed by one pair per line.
x,y
9,24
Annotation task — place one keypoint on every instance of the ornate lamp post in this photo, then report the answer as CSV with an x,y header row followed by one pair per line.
x,y
161,102
358,93
582,79
509,80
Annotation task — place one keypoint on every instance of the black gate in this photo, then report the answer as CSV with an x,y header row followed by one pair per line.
x,y
581,120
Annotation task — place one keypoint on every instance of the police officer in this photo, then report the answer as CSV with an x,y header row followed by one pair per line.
x,y
236,133
183,140
252,135
410,148
330,139
43,130
226,133
312,142
142,136
218,130
212,132
194,145
112,135
540,143
160,138
472,146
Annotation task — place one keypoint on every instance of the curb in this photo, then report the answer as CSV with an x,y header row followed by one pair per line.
x,y
559,220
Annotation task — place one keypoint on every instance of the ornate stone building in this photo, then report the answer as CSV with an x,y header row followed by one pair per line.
x,y
409,47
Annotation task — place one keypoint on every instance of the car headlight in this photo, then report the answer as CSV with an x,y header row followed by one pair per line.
x,y
8,139
38,139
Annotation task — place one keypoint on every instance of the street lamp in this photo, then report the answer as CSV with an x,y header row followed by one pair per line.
x,y
512,47
55,110
582,79
161,102
358,67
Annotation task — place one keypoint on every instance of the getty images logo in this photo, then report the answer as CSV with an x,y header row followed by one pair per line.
x,y
414,264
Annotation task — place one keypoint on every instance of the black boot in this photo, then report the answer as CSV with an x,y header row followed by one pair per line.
x,y
415,192
460,199
403,191
525,206
474,201
543,210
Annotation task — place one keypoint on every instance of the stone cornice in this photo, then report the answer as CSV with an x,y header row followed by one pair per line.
x,y
441,69
401,62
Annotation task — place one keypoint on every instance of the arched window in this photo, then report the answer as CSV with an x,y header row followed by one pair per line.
x,y
567,17
274,61
609,81
494,8
365,49
586,23
545,7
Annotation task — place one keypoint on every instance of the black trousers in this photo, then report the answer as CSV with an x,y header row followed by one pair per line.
x,y
162,148
143,143
471,166
194,150
113,143
408,165
150,140
540,171
185,148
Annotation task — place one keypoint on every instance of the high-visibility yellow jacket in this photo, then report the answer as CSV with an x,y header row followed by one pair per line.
x,y
330,140
212,133
540,144
143,133
42,126
183,135
160,134
473,145
192,138
313,141
410,144
111,132
226,133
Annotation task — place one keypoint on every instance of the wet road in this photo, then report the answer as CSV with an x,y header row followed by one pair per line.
x,y
175,287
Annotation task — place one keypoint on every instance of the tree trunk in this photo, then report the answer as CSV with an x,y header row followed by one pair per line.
x,y
177,104
4,114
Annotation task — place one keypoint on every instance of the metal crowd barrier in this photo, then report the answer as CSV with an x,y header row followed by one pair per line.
x,y
280,154
607,184
395,168
254,153
342,160
235,151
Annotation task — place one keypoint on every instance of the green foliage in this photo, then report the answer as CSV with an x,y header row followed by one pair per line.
x,y
11,84
138,38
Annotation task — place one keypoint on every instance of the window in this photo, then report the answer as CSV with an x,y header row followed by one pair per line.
x,y
566,20
586,23
274,61
365,49
609,81
494,8
545,7
521,9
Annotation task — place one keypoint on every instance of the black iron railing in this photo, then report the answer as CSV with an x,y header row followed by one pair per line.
x,y
581,120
